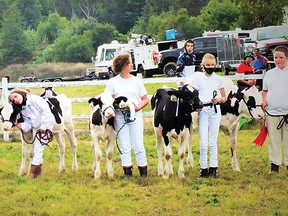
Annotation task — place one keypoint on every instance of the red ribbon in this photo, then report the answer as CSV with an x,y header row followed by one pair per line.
x,y
260,139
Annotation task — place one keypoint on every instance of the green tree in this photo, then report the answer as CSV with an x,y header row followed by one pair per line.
x,y
219,15
260,13
32,13
13,42
193,6
52,28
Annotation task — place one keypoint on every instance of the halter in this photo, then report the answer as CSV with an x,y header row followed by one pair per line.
x,y
250,107
103,111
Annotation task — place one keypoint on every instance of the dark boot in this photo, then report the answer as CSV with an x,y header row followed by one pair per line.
x,y
143,171
35,171
212,172
127,172
274,169
203,173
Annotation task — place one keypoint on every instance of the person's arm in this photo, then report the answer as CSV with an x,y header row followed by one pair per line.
x,y
221,99
264,101
143,103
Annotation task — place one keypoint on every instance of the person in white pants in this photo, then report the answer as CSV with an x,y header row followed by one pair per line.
x,y
129,130
211,93
37,116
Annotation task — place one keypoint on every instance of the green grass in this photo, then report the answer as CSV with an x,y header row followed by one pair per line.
x,y
249,192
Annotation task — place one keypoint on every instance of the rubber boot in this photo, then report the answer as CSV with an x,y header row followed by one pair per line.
x,y
274,169
143,171
203,173
35,171
212,172
127,172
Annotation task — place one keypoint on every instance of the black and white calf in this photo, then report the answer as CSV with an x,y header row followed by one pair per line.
x,y
172,119
240,103
102,129
10,116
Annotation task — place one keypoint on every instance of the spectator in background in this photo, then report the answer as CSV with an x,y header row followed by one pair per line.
x,y
259,64
275,104
186,61
245,67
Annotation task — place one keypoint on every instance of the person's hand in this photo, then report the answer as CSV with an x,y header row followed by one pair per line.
x,y
18,125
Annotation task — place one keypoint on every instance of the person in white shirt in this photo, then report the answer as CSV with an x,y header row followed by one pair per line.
x,y
130,133
37,116
211,93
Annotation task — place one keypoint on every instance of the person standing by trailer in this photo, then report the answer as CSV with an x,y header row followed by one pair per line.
x,y
211,93
186,61
259,65
275,104
130,134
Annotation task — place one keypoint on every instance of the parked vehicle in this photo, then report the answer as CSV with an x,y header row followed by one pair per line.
x,y
228,51
267,38
143,49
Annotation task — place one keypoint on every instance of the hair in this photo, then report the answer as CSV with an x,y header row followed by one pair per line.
x,y
206,57
120,61
281,48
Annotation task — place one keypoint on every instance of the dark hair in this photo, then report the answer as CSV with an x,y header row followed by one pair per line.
x,y
281,48
120,61
257,49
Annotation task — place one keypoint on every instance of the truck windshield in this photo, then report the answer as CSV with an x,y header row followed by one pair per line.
x,y
271,33
109,54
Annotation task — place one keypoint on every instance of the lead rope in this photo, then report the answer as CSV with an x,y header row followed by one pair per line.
x,y
127,120
214,95
44,138
282,121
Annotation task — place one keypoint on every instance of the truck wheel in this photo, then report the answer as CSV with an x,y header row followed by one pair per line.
x,y
24,81
45,80
35,80
170,69
145,73
57,80
225,71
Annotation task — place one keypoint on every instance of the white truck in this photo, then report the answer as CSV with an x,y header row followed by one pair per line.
x,y
144,53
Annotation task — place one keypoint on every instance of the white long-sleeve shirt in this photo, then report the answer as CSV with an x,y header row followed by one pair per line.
x,y
36,114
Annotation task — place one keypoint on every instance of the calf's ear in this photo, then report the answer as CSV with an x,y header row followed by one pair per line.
x,y
173,92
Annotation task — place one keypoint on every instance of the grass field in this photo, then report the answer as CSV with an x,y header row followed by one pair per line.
x,y
249,192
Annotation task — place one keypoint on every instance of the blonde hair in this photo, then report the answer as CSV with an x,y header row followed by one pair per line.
x,y
207,57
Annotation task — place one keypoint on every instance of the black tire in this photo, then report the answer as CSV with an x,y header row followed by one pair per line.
x,y
45,81
24,81
225,71
57,80
36,80
170,69
147,73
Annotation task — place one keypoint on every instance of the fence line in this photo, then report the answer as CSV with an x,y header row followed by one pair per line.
x,y
5,86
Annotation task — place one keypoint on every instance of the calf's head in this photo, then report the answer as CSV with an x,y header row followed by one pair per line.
x,y
10,115
190,95
104,104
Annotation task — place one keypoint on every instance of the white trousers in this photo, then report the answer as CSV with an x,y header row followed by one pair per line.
x,y
131,136
209,123
277,137
38,150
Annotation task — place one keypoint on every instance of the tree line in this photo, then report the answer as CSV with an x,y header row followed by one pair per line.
x,y
39,31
